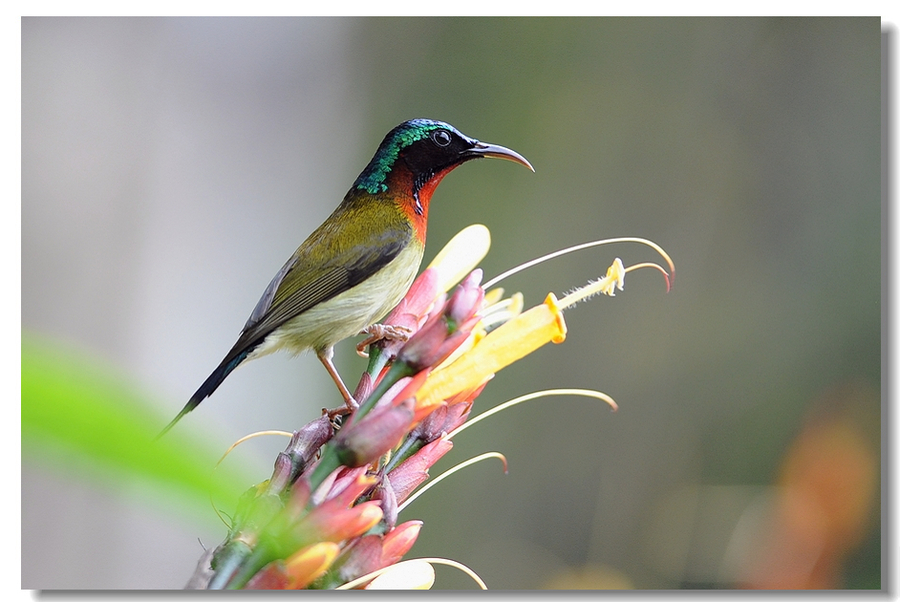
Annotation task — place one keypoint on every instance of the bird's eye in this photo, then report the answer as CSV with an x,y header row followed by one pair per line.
x,y
441,137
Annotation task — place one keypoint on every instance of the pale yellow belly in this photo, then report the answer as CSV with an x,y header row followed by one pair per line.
x,y
347,314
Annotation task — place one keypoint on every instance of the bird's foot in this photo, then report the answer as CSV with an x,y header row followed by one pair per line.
x,y
382,332
336,416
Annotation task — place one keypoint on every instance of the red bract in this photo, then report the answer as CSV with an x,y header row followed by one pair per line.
x,y
414,471
442,420
363,442
466,300
372,552
331,523
411,312
336,518
399,541
348,484
360,558
410,386
384,493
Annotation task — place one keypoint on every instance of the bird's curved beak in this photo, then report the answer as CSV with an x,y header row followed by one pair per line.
x,y
483,149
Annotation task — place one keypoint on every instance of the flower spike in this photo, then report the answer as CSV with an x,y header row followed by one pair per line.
x,y
328,516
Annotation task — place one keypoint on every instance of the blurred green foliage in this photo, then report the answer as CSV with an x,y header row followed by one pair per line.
x,y
81,417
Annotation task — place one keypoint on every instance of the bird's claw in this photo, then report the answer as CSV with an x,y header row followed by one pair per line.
x,y
382,332
335,416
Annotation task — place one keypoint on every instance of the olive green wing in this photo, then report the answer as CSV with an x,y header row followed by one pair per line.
x,y
305,280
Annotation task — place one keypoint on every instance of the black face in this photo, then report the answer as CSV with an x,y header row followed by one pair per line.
x,y
426,148
441,149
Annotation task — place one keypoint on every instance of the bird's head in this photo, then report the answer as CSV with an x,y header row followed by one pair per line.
x,y
414,157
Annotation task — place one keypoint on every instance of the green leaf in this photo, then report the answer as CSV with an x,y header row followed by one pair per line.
x,y
81,418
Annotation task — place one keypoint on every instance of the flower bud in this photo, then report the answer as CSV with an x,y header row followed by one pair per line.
x,y
372,552
295,505
466,299
306,442
443,418
360,558
349,484
434,342
414,470
281,476
423,348
378,431
431,427
332,523
364,387
384,493
399,540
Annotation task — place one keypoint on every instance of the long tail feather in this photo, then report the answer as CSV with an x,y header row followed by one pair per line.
x,y
207,388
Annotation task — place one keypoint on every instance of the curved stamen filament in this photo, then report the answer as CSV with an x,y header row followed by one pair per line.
x,y
587,245
650,264
528,397
446,474
246,438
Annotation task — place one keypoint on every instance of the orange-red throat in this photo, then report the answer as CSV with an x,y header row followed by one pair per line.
x,y
414,199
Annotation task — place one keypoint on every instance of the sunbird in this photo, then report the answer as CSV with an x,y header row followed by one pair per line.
x,y
361,261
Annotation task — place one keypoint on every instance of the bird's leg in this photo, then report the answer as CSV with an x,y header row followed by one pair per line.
x,y
381,332
325,356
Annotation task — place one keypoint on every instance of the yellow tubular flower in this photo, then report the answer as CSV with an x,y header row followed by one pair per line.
x,y
513,340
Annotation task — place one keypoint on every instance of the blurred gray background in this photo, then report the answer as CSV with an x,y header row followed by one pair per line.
x,y
170,166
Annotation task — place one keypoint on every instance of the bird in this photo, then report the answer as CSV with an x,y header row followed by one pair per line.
x,y
361,261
